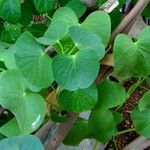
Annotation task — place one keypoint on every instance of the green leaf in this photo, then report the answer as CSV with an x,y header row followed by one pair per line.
x,y
14,31
14,97
34,64
76,71
11,128
111,94
66,15
78,101
117,117
77,133
144,102
77,7
27,142
132,59
101,125
141,120
7,56
44,6
84,39
54,33
99,23
10,10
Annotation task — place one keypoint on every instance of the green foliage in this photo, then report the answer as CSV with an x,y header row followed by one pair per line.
x,y
78,101
10,10
141,116
101,119
44,6
20,103
111,94
131,59
21,143
95,24
63,50
54,33
73,72
35,66
84,39
79,131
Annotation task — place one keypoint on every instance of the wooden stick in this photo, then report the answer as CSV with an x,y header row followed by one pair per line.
x,y
61,132
130,18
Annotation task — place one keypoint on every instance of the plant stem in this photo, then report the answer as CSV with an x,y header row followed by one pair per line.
x,y
72,50
115,143
48,17
126,131
61,47
96,145
134,87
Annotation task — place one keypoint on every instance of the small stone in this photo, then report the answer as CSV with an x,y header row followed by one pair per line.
x,y
127,122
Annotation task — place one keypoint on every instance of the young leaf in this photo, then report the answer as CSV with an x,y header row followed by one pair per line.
x,y
26,142
77,133
66,15
10,10
33,63
20,103
144,102
101,125
111,94
44,6
99,23
76,71
132,59
54,33
84,39
77,7
141,120
78,101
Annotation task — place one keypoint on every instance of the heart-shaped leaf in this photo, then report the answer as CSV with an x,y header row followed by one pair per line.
x,y
54,33
84,39
141,120
34,64
77,71
44,6
79,131
111,94
10,10
132,59
99,23
28,108
144,102
102,125
66,15
78,101
27,142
